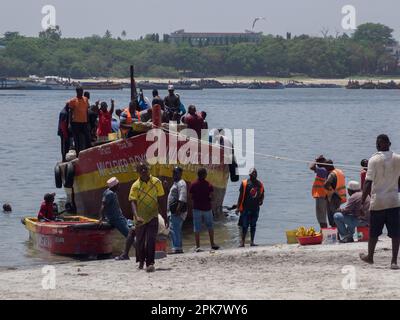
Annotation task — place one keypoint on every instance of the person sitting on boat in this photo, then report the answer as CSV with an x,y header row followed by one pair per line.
x,y
172,104
144,102
46,212
194,121
128,116
157,100
116,121
105,116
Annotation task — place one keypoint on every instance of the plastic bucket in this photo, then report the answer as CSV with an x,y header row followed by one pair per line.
x,y
291,236
363,233
161,249
329,235
304,241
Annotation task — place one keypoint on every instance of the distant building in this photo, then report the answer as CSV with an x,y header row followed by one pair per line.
x,y
213,38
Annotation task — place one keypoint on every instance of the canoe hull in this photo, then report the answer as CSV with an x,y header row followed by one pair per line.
x,y
69,239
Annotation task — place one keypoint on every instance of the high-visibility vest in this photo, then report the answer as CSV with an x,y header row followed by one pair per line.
x,y
340,185
318,188
244,184
129,120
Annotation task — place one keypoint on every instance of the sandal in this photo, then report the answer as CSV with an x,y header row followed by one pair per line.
x,y
394,267
215,247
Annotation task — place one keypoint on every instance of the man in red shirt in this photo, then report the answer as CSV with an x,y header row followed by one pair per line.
x,y
194,121
202,196
105,117
46,212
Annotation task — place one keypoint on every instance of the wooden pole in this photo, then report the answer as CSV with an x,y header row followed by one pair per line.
x,y
133,84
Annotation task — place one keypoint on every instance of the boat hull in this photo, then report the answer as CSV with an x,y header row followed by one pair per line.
x,y
70,238
96,165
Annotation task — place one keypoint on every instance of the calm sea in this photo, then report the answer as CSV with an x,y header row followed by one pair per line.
x,y
294,123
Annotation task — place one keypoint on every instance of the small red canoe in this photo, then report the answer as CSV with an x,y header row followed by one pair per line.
x,y
73,236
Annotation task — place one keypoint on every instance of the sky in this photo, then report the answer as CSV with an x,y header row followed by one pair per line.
x,y
80,18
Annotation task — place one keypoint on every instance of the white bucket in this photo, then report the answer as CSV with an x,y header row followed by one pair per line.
x,y
329,236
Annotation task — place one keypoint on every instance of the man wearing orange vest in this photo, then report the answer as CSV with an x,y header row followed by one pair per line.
x,y
335,187
251,197
318,190
127,118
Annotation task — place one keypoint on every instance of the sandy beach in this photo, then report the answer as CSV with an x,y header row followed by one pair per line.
x,y
274,272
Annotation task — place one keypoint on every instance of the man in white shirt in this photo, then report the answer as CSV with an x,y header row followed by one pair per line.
x,y
382,182
177,209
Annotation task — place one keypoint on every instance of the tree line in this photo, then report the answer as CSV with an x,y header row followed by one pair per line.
x,y
368,51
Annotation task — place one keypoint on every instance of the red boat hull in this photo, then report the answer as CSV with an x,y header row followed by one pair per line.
x,y
66,239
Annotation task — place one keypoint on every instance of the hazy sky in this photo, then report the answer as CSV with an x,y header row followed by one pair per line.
x,y
87,17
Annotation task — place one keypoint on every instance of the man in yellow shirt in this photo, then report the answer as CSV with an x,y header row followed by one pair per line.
x,y
146,197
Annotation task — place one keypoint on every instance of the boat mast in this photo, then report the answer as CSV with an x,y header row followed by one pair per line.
x,y
133,84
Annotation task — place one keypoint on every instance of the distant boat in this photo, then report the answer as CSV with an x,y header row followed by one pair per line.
x,y
266,85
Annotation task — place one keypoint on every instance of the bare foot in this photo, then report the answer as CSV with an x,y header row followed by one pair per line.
x,y
364,257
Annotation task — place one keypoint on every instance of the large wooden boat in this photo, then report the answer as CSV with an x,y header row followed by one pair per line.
x,y
85,178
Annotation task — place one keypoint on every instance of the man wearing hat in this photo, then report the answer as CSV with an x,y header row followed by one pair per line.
x,y
111,209
172,104
353,215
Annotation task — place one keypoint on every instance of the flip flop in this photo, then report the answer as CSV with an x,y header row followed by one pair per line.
x,y
394,267
215,247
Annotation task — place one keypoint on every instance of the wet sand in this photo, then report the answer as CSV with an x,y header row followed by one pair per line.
x,y
273,272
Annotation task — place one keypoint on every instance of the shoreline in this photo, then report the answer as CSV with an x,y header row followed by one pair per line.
x,y
265,272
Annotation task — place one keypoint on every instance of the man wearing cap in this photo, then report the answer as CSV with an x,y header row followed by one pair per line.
x,y
111,210
177,209
251,198
353,214
172,104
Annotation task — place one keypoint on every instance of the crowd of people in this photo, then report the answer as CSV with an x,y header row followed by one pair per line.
x,y
82,125
373,201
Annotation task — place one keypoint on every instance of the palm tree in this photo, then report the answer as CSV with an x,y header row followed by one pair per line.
x,y
123,34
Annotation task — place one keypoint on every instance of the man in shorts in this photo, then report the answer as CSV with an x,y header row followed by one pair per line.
x,y
382,182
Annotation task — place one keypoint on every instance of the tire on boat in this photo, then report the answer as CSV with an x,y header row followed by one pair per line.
x,y
233,170
69,175
58,176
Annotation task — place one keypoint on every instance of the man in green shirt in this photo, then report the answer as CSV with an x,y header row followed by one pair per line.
x,y
146,197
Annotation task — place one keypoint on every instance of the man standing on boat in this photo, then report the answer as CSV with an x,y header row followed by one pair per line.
x,y
172,104
63,132
79,121
251,198
146,197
